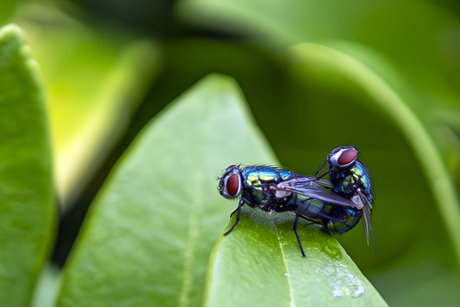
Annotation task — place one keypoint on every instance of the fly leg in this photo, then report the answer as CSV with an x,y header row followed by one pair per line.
x,y
238,215
231,214
297,235
319,169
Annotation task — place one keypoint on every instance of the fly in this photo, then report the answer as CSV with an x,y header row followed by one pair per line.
x,y
350,179
275,189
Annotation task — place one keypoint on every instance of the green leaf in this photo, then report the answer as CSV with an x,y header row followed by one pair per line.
x,y
47,286
94,81
396,103
333,102
27,208
150,231
6,10
259,264
420,39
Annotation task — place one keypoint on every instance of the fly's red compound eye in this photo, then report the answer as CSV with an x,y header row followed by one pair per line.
x,y
347,156
233,185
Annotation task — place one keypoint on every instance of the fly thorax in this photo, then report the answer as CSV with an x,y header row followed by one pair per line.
x,y
335,176
348,184
254,186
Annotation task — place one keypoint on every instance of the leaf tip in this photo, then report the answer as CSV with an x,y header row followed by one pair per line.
x,y
10,32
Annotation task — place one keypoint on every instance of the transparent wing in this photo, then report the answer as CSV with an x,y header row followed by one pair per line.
x,y
367,208
312,187
322,182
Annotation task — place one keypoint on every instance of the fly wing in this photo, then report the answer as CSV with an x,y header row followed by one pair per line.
x,y
322,182
312,187
367,208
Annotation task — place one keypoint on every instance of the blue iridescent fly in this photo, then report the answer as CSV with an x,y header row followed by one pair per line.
x,y
349,178
275,189
336,218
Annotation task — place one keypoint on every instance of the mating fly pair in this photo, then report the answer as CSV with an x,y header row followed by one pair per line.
x,y
336,205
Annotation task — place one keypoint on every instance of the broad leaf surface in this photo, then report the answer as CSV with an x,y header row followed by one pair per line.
x,y
150,232
392,93
27,207
260,264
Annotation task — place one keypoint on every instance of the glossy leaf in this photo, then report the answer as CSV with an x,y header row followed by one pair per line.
x,y
151,229
150,232
27,208
259,264
329,102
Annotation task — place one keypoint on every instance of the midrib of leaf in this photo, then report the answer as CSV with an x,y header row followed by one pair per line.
x,y
416,133
184,299
292,303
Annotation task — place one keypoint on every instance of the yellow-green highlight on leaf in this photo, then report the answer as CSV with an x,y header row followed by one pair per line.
x,y
27,207
329,59
122,89
94,81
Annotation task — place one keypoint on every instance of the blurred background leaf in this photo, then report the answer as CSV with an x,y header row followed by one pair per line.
x,y
27,207
94,80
